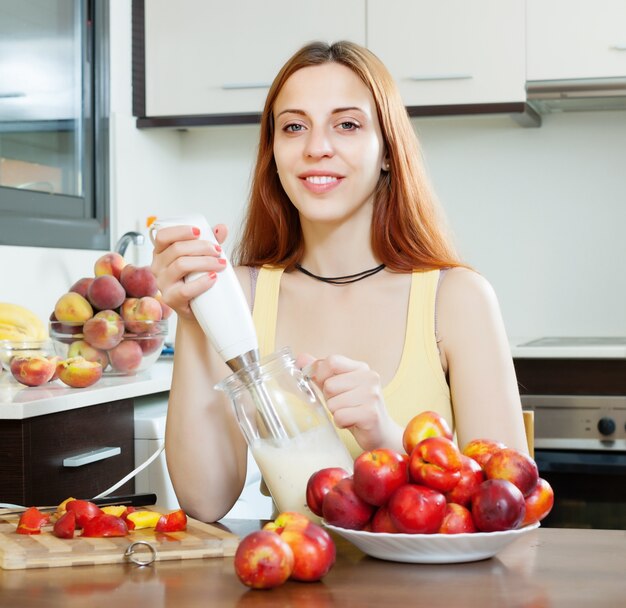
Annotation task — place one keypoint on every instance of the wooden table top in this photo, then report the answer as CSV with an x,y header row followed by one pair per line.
x,y
548,567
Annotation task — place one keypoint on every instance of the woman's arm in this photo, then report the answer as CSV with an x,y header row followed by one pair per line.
x,y
206,453
476,352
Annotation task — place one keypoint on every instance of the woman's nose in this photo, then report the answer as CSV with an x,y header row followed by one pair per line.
x,y
318,143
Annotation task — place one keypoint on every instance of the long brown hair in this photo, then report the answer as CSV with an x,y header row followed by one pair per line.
x,y
407,229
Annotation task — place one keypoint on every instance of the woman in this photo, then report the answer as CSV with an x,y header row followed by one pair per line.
x,y
338,193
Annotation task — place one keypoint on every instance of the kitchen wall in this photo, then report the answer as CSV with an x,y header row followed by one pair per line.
x,y
540,212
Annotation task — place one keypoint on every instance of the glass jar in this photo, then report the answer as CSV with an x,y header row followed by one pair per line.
x,y
286,426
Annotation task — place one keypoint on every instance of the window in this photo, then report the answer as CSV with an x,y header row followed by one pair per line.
x,y
53,123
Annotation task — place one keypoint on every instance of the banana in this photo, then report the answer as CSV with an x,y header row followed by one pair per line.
x,y
18,323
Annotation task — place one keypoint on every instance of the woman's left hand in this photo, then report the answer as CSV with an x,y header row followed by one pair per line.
x,y
354,397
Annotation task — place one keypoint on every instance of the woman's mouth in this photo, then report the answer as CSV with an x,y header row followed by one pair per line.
x,y
320,183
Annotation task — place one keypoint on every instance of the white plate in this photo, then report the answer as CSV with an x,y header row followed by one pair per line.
x,y
431,548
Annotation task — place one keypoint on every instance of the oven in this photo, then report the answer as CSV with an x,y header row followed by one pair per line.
x,y
580,449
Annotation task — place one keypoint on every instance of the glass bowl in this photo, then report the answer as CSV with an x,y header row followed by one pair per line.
x,y
135,353
25,348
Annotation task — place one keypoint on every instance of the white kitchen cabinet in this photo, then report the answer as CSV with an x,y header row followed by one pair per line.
x,y
205,57
576,39
451,51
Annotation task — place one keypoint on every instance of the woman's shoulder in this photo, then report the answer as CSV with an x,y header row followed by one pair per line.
x,y
465,296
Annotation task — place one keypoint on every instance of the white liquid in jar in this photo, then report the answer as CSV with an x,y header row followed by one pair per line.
x,y
287,466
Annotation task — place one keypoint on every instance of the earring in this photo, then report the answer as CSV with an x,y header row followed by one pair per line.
x,y
386,167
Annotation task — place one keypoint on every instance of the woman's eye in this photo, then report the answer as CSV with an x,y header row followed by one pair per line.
x,y
348,125
293,128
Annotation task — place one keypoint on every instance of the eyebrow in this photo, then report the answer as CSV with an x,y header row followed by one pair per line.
x,y
335,111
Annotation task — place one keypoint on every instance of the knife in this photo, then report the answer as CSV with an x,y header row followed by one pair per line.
x,y
127,500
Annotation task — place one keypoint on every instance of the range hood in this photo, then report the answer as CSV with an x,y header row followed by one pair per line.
x,y
580,95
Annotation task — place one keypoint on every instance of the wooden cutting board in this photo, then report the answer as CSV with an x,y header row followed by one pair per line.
x,y
45,550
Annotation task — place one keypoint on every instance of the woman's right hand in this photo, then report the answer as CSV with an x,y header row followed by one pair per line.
x,y
177,252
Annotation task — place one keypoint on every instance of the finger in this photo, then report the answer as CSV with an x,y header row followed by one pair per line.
x,y
322,369
367,382
167,236
304,362
221,232
178,295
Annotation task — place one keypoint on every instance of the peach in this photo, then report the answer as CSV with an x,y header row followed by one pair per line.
x,y
105,330
150,345
457,520
33,370
126,356
436,462
106,293
65,328
77,372
344,508
481,450
138,281
497,505
291,519
313,550
71,307
319,484
539,502
378,473
263,560
425,424
141,314
167,311
110,263
472,475
381,522
514,466
83,349
81,286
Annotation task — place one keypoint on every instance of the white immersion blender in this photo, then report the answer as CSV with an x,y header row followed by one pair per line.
x,y
224,315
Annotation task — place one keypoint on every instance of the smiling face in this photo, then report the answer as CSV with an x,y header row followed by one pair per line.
x,y
328,145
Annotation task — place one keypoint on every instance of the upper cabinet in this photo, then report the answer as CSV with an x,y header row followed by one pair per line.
x,y
451,52
204,57
576,39
212,62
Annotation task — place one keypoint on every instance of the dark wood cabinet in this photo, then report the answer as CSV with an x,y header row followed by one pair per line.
x,y
571,376
32,452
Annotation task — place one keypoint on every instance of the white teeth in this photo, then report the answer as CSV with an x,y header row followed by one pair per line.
x,y
321,179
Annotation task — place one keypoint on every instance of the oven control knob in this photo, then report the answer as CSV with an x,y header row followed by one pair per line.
x,y
606,426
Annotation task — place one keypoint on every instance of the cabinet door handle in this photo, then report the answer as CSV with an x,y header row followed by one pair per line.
x,y
233,86
93,456
427,77
618,47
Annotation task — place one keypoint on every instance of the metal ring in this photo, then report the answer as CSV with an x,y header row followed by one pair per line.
x,y
130,555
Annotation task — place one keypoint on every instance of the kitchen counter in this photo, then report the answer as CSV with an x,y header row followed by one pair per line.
x,y
568,348
19,402
548,567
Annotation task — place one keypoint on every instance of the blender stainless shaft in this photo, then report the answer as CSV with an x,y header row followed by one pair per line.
x,y
243,363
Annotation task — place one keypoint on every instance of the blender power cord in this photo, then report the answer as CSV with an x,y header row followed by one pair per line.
x,y
121,482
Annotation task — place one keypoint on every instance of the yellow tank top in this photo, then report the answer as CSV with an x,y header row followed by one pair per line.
x,y
419,383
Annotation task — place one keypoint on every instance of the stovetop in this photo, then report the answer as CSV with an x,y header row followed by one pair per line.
x,y
568,341
570,347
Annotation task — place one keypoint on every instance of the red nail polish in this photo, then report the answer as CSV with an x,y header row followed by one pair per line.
x,y
222,261
212,275
218,248
196,231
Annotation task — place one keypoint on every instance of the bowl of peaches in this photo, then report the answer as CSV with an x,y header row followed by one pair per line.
x,y
434,503
115,319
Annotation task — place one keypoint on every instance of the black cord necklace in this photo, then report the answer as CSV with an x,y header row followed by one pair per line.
x,y
350,278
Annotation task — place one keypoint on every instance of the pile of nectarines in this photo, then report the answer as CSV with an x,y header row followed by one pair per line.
x,y
290,547
434,487
109,320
